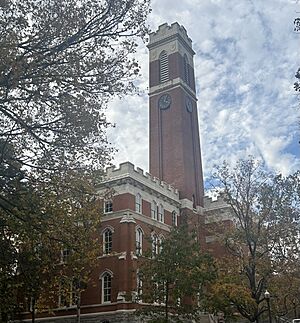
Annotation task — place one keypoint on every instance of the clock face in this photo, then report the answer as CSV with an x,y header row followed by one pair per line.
x,y
164,101
189,104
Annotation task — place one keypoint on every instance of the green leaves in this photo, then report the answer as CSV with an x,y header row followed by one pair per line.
x,y
61,61
176,277
264,244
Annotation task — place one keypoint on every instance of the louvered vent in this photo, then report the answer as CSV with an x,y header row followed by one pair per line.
x,y
186,70
163,67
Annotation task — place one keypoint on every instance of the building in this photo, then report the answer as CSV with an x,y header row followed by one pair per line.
x,y
143,208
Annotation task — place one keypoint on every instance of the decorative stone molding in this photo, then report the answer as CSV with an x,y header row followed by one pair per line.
x,y
121,296
127,218
177,82
123,256
133,255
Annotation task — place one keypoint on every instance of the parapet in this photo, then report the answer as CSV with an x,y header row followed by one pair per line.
x,y
127,169
214,202
166,31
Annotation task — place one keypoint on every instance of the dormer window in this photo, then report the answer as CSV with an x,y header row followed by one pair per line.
x,y
163,67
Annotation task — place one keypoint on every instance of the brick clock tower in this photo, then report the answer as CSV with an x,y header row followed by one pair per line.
x,y
175,155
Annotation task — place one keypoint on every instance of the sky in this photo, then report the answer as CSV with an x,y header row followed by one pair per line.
x,y
246,57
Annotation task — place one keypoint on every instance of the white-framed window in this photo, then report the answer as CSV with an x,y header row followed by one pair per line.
x,y
163,67
106,283
161,213
174,219
67,293
161,238
154,210
64,255
107,240
139,241
139,284
138,203
108,206
154,239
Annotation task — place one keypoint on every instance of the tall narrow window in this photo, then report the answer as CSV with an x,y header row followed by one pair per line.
x,y
154,244
107,241
139,241
65,254
161,217
106,279
160,243
67,293
154,210
174,219
186,70
138,203
139,284
163,67
108,206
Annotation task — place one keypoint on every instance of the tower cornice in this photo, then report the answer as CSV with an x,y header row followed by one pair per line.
x,y
178,82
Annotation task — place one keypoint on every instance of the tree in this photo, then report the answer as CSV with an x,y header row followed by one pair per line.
x,y
60,62
264,243
174,280
53,234
297,83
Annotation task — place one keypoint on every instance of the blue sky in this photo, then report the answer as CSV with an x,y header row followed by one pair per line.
x,y
246,57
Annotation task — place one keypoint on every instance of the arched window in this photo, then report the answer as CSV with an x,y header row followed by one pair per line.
x,y
174,219
106,279
163,67
139,241
154,210
138,203
161,216
107,241
154,244
186,70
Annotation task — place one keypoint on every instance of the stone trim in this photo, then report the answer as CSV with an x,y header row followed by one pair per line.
x,y
137,216
177,82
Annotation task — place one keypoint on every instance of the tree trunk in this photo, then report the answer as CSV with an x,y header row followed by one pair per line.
x,y
4,317
78,306
32,305
166,306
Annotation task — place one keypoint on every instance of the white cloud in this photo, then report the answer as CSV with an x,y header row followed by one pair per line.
x,y
246,58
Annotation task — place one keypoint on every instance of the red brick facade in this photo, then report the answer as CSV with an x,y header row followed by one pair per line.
x,y
143,206
175,155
